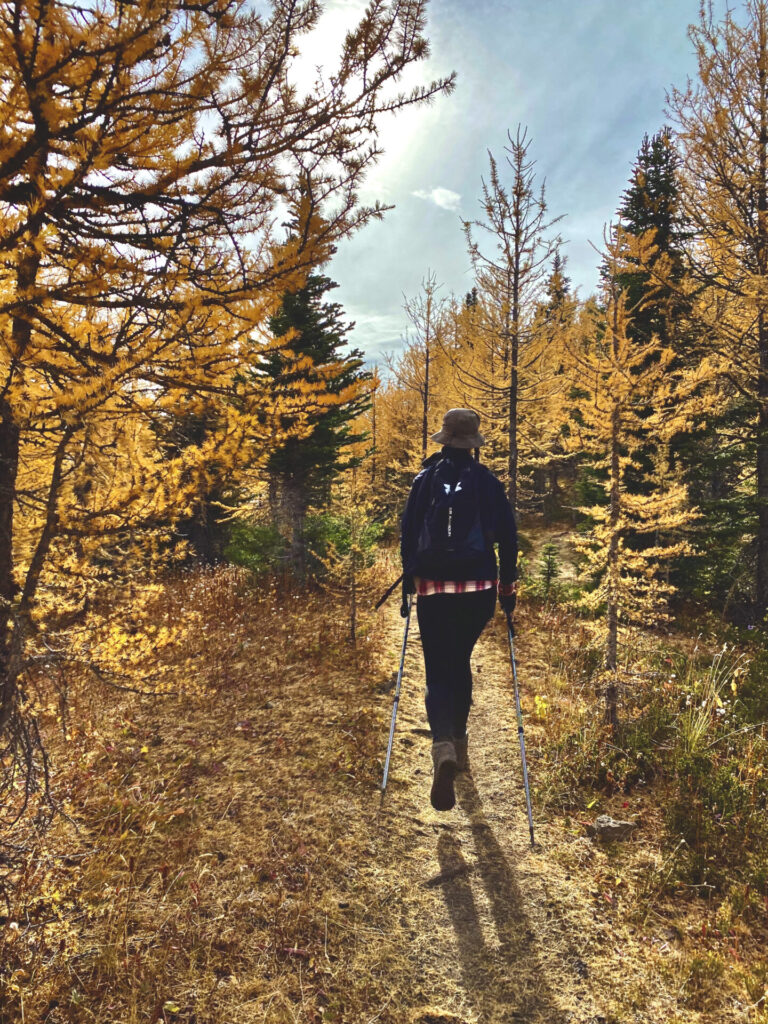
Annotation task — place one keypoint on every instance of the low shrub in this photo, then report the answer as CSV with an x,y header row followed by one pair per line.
x,y
719,807
691,722
328,532
256,546
264,550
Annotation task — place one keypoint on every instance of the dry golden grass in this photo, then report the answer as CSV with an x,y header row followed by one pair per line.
x,y
226,861
204,832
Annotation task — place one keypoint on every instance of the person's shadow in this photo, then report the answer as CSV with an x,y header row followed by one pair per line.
x,y
505,982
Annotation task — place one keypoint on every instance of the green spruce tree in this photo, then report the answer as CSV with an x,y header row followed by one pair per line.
x,y
650,275
650,210
651,203
549,567
709,455
558,288
302,468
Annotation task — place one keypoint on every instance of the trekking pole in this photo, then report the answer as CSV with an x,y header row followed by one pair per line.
x,y
387,592
520,730
397,700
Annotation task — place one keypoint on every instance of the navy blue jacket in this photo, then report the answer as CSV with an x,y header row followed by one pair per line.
x,y
495,512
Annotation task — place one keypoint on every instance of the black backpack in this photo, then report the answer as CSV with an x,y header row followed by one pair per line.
x,y
451,537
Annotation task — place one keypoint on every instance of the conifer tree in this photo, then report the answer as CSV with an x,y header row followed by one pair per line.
x,y
310,336
650,213
416,372
721,123
399,445
549,567
545,415
349,566
705,455
619,376
417,390
652,206
479,375
511,273
557,288
146,149
202,525
371,426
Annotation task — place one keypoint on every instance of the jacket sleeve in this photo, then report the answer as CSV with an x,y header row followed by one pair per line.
x,y
506,535
409,527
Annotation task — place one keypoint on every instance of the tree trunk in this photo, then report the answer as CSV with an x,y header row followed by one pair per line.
x,y
761,581
295,504
612,610
353,598
513,383
552,491
512,463
373,446
10,441
425,403
273,497
205,535
553,475
16,633
9,464
540,477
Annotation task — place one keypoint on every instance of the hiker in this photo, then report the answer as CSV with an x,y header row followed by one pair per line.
x,y
456,511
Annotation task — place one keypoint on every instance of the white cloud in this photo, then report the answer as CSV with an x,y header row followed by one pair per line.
x,y
442,197
375,333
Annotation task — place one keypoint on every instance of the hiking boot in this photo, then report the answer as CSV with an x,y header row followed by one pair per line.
x,y
442,796
462,754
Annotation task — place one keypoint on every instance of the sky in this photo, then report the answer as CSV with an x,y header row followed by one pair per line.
x,y
588,80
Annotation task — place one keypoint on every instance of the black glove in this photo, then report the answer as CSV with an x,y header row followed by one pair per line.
x,y
409,587
508,602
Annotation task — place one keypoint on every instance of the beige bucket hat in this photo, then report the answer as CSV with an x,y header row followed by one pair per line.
x,y
460,429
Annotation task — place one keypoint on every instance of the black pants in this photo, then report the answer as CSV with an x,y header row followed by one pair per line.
x,y
450,625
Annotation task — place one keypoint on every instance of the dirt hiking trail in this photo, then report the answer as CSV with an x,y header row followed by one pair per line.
x,y
493,933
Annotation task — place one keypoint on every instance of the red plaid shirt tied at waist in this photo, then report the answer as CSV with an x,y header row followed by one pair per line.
x,y
425,588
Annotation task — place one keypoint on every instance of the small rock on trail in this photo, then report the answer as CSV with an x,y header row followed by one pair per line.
x,y
607,830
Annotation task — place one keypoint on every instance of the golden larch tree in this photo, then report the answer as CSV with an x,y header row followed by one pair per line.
x,y
617,379
146,151
511,265
721,124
